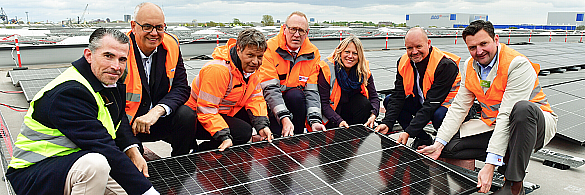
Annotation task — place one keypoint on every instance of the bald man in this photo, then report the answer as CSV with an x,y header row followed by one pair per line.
x,y
425,85
156,84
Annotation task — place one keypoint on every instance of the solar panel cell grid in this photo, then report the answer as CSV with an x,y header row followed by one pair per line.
x,y
31,87
32,74
342,161
565,100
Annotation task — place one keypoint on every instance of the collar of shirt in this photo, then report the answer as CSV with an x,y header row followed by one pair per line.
x,y
147,60
110,86
144,56
247,75
485,71
297,50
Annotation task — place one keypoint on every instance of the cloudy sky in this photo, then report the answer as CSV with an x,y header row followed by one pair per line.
x,y
499,11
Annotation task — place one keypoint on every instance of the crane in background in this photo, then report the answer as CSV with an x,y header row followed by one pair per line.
x,y
82,19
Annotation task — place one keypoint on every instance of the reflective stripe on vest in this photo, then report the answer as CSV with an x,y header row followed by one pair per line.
x,y
490,101
405,69
133,82
37,142
211,98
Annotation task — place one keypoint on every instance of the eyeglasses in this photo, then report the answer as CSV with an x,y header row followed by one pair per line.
x,y
147,28
294,30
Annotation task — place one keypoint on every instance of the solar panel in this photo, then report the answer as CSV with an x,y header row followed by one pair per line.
x,y
32,74
5,144
555,79
338,161
5,151
31,87
566,101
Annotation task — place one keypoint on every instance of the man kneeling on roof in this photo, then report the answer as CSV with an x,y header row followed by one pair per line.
x,y
227,94
516,117
76,132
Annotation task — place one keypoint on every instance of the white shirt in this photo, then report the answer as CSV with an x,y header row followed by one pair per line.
x,y
147,63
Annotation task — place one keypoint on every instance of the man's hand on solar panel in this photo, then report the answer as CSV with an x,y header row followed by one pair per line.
x,y
142,124
343,124
433,151
382,128
318,127
138,160
287,127
371,120
266,134
225,144
403,138
484,178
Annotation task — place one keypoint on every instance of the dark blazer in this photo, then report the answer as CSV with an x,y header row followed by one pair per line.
x,y
158,92
72,109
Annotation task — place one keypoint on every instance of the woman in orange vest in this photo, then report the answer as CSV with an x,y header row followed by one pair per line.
x,y
346,87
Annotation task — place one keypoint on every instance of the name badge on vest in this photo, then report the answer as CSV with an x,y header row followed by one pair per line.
x,y
303,79
485,83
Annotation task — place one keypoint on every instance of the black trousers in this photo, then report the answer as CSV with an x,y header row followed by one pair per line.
x,y
295,101
526,134
240,130
356,111
178,129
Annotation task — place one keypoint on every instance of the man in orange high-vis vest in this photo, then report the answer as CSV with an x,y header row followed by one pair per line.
x,y
426,82
156,83
516,117
289,73
227,95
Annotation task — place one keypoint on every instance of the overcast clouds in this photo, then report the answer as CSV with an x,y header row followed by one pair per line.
x,y
499,12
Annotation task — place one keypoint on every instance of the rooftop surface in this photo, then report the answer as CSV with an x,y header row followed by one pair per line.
x,y
563,87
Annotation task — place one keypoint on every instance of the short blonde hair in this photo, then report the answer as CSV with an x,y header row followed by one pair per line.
x,y
362,70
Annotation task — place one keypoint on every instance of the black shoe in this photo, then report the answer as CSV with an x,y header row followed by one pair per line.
x,y
419,142
507,189
502,169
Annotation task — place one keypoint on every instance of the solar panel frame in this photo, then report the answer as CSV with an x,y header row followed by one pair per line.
x,y
33,74
31,87
306,164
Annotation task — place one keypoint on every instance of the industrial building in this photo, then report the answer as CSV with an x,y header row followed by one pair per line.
x,y
127,18
565,18
448,20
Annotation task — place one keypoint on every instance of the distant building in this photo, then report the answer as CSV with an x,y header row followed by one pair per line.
x,y
386,23
526,26
565,18
127,18
355,25
448,20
